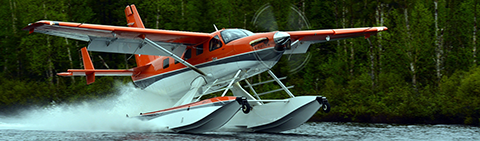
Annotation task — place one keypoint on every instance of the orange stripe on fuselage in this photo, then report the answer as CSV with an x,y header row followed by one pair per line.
x,y
211,100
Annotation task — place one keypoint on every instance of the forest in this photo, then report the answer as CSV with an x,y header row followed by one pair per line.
x,y
424,69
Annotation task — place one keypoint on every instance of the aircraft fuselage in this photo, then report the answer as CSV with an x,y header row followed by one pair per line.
x,y
221,60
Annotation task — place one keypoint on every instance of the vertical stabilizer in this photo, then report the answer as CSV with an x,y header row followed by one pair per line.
x,y
134,20
88,65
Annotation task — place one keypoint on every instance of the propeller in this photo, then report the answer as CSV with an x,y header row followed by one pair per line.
x,y
264,21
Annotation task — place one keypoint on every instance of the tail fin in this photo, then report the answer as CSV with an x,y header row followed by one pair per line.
x,y
134,20
87,63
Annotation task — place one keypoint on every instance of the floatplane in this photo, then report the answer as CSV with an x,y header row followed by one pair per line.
x,y
189,65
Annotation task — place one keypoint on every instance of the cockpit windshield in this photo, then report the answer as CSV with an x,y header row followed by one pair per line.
x,y
229,35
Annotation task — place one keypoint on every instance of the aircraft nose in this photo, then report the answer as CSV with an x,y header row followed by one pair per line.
x,y
282,40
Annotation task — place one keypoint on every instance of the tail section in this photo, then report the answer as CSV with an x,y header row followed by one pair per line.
x,y
134,20
90,72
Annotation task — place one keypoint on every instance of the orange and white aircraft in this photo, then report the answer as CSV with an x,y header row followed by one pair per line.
x,y
188,65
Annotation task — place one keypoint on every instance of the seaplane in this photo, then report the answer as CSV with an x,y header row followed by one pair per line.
x,y
188,65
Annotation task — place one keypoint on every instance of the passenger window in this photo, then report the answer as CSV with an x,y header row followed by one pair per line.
x,y
199,49
166,63
215,43
188,54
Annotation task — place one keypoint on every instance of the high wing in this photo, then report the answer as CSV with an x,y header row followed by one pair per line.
x,y
117,39
303,39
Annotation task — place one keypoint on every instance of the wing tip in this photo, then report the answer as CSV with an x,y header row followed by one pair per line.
x,y
31,26
383,28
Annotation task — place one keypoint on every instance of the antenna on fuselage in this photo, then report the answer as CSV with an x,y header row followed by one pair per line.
x,y
216,29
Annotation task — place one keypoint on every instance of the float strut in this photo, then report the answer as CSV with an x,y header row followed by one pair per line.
x,y
280,83
231,82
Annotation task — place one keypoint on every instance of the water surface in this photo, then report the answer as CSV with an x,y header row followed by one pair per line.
x,y
308,131
105,119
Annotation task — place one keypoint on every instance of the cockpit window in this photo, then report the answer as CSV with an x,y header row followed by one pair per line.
x,y
229,35
215,43
249,33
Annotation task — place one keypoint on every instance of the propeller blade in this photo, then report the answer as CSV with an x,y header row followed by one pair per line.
x,y
264,19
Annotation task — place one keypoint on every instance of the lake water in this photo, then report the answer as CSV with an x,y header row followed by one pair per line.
x,y
308,131
105,120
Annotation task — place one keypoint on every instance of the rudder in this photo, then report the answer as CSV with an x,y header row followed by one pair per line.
x,y
134,20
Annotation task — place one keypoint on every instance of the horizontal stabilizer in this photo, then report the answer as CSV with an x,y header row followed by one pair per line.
x,y
97,72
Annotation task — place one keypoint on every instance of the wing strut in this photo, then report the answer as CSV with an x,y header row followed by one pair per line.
x,y
174,56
